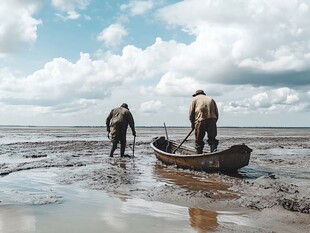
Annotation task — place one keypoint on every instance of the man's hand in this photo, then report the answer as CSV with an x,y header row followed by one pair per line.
x,y
134,133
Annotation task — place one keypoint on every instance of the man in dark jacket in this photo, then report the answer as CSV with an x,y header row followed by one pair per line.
x,y
117,123
203,115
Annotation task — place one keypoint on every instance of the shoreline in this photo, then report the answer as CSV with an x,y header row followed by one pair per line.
x,y
151,127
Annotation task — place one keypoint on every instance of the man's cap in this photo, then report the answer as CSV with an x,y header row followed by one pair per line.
x,y
199,92
124,105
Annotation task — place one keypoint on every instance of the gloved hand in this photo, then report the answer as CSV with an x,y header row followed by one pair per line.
x,y
134,133
193,125
108,129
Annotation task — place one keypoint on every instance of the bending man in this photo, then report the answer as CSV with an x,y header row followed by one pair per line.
x,y
203,115
117,123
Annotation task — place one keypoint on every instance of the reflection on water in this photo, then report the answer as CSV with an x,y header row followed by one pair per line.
x,y
23,221
119,163
213,183
84,210
203,220
81,210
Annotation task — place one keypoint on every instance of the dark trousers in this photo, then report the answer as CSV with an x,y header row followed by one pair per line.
x,y
118,136
201,128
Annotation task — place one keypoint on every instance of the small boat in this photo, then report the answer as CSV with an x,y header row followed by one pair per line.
x,y
229,160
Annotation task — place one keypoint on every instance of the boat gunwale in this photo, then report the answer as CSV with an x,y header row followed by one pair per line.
x,y
184,155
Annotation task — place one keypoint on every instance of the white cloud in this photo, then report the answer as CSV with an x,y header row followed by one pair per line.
x,y
73,15
64,87
238,31
270,101
283,96
152,106
59,82
261,100
137,7
113,35
17,25
176,84
70,7
252,56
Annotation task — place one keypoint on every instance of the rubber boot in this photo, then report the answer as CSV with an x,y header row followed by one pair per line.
x,y
114,146
199,150
213,147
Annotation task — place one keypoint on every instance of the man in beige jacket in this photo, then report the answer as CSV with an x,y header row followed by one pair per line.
x,y
203,115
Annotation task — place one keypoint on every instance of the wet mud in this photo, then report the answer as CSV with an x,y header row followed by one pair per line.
x,y
277,177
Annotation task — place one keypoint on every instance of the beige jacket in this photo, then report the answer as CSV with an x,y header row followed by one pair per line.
x,y
202,107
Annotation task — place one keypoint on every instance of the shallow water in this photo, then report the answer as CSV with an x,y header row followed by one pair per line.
x,y
69,208
41,194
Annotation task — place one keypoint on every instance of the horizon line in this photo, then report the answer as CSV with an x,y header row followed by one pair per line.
x,y
139,126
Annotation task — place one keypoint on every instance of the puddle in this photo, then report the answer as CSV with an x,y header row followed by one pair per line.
x,y
213,183
32,201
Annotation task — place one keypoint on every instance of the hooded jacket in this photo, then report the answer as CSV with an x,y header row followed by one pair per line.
x,y
120,117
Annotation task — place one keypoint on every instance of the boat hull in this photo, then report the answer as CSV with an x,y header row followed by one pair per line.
x,y
232,159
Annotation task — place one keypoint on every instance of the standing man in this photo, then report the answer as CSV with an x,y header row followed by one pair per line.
x,y
117,123
203,115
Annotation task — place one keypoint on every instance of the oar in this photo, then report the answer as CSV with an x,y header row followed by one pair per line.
x,y
183,141
133,146
167,139
166,131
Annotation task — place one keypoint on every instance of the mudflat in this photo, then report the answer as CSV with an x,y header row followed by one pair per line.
x,y
271,194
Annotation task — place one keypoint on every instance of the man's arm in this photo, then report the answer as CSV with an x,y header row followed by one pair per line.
x,y
131,123
216,109
107,122
192,114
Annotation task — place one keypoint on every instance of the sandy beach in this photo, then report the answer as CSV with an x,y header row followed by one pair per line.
x,y
62,180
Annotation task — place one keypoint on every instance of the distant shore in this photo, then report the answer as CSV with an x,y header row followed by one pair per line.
x,y
141,126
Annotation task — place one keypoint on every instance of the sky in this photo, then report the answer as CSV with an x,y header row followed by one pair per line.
x,y
69,62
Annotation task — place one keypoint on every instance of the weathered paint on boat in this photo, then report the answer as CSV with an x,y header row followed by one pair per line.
x,y
231,159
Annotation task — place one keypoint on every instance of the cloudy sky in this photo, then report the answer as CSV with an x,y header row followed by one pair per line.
x,y
69,62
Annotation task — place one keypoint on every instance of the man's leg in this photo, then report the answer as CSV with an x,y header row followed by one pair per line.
x,y
114,139
114,146
123,147
212,133
199,135
123,142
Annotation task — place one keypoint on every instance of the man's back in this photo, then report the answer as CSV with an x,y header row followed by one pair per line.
x,y
203,107
120,116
